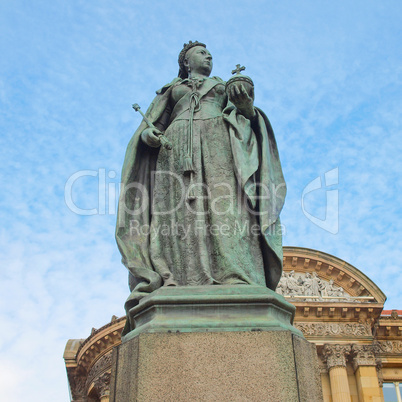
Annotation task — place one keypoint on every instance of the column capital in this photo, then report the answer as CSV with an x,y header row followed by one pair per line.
x,y
335,355
322,364
363,355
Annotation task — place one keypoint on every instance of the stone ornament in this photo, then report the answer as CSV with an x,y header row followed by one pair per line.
x,y
363,356
308,284
378,366
392,347
334,329
322,365
77,387
393,316
102,384
103,364
335,355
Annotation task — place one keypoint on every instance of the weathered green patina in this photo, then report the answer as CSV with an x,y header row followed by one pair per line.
x,y
228,308
206,211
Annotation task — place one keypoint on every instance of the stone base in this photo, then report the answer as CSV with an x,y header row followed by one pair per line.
x,y
214,343
211,309
216,366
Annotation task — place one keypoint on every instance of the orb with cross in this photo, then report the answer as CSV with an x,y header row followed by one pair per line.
x,y
239,79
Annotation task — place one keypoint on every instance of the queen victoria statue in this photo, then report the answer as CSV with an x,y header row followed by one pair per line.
x,y
202,186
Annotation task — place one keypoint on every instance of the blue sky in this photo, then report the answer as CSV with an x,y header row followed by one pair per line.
x,y
328,75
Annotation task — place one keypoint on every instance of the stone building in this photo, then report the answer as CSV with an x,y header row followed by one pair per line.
x,y
338,308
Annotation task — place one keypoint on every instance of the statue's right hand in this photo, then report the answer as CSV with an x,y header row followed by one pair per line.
x,y
150,137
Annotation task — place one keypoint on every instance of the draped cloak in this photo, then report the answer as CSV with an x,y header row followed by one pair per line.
x,y
256,160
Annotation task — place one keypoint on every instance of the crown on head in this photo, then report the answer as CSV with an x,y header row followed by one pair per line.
x,y
182,56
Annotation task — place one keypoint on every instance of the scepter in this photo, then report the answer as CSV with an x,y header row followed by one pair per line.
x,y
163,140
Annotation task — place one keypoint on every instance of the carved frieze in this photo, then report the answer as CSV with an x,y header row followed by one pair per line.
x,y
335,355
309,285
391,347
334,329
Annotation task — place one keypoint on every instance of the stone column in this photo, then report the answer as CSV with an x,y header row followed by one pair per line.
x,y
335,356
364,365
102,386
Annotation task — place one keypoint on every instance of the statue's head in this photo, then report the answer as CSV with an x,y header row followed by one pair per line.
x,y
194,54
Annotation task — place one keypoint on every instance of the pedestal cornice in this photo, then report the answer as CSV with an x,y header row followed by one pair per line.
x,y
212,309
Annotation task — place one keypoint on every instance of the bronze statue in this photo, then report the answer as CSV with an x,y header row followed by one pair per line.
x,y
203,210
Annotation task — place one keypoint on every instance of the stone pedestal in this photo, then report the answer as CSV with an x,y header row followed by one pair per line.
x,y
219,343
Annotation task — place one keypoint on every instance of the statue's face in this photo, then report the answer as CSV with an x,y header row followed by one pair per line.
x,y
199,60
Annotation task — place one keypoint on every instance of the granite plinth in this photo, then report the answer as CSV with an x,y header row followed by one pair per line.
x,y
216,366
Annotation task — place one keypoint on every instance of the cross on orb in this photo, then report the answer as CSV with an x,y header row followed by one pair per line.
x,y
238,69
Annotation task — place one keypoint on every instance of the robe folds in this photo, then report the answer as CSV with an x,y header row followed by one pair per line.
x,y
252,162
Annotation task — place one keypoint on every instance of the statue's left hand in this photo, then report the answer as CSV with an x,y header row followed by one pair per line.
x,y
242,100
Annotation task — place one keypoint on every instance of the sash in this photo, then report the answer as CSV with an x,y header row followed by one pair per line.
x,y
191,102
